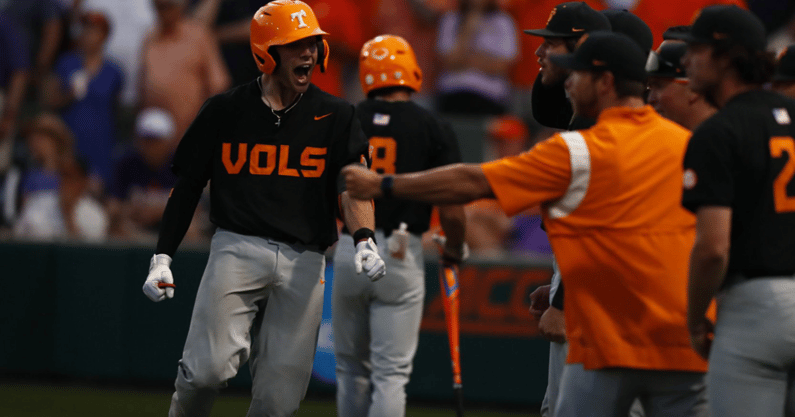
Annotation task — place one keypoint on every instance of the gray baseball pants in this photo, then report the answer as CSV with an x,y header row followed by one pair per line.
x,y
376,329
752,360
611,392
259,300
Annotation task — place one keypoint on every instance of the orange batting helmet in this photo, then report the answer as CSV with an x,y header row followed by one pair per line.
x,y
279,23
388,61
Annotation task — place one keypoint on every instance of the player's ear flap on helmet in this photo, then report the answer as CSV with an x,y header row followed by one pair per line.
x,y
273,54
322,54
265,61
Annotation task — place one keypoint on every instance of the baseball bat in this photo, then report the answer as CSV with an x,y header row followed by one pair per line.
x,y
448,275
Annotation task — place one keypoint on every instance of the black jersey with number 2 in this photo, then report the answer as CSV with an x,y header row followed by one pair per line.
x,y
279,182
744,158
405,137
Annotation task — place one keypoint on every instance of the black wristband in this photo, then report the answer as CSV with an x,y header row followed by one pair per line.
x,y
363,234
386,185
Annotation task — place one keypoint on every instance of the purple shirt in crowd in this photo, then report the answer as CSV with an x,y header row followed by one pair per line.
x,y
92,118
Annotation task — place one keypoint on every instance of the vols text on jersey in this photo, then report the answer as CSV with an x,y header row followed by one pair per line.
x,y
312,165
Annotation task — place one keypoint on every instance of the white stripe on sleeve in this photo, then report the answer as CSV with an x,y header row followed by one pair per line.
x,y
580,176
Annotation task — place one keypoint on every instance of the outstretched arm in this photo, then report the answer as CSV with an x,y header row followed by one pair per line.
x,y
449,184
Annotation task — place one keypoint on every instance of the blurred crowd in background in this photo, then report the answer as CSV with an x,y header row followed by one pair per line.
x,y
95,95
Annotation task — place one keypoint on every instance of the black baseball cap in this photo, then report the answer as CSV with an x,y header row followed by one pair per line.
x,y
606,51
666,61
623,21
572,20
785,65
730,24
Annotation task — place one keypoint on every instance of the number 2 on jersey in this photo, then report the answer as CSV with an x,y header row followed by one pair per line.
x,y
384,154
779,145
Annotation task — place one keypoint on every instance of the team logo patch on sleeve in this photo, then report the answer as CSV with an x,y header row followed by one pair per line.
x,y
380,119
689,179
782,116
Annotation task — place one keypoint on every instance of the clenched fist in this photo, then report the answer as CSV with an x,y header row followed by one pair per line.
x,y
362,183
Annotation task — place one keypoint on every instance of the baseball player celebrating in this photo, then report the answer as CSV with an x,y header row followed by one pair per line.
x,y
611,202
738,175
272,150
376,324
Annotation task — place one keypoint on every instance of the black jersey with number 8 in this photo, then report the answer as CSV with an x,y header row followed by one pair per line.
x,y
405,137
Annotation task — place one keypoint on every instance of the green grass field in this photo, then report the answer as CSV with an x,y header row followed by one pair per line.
x,y
84,401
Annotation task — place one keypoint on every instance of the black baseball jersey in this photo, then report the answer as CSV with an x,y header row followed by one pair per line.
x,y
744,158
279,182
405,137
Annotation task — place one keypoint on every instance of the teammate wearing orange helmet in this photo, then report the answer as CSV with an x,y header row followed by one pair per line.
x,y
376,324
272,150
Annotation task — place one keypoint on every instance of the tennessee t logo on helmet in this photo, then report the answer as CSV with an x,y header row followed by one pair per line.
x,y
300,16
281,22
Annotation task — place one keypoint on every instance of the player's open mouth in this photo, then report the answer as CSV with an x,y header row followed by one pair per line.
x,y
302,73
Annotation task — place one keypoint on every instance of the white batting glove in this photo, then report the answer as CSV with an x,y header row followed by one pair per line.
x,y
159,284
367,258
